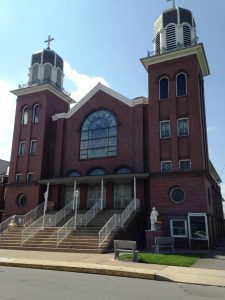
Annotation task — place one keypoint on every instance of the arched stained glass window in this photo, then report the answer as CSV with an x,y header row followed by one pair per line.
x,y
163,88
24,119
97,171
73,173
181,84
124,170
99,135
48,72
36,113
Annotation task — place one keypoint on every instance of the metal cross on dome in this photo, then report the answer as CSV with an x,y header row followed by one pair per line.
x,y
48,41
174,4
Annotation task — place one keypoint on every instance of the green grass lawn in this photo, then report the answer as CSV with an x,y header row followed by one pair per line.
x,y
180,260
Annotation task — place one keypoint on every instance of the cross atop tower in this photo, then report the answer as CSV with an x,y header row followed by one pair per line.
x,y
48,41
174,4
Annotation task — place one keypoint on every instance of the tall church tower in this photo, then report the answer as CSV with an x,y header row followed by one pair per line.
x,y
180,182
33,150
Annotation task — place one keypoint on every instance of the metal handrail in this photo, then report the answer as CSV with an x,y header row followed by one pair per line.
x,y
65,230
30,231
23,220
81,220
51,220
117,221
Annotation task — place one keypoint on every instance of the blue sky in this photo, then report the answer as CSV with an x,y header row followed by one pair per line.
x,y
103,40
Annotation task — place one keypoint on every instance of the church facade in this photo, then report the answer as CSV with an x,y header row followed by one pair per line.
x,y
118,149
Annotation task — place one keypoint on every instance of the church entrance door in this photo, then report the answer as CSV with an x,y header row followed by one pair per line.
x,y
122,194
69,195
94,194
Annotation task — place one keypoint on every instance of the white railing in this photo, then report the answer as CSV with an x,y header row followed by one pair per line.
x,y
5,225
31,230
51,220
81,220
22,220
92,212
65,230
34,213
117,220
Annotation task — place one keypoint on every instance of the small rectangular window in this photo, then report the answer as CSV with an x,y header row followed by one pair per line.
x,y
21,150
178,228
33,147
164,129
18,177
185,165
30,177
182,127
1,179
166,166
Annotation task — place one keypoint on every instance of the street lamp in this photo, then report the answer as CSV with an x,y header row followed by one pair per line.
x,y
75,214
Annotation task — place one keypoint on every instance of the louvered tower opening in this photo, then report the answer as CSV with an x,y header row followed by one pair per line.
x,y
157,43
171,37
187,35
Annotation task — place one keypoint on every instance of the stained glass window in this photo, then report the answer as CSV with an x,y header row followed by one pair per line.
x,y
99,135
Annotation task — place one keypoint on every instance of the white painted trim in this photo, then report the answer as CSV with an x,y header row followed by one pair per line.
x,y
168,88
185,84
196,49
178,126
184,160
185,225
88,96
161,132
31,142
166,161
29,173
42,87
16,177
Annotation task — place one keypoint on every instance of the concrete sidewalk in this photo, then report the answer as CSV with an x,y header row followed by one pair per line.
x,y
105,264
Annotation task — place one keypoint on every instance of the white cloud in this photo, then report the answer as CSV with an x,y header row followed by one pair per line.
x,y
7,113
84,83
211,128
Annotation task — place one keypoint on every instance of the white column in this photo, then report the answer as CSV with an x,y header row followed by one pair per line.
x,y
74,194
102,186
135,194
45,205
75,214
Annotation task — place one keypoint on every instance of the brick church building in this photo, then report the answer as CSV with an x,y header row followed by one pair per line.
x,y
117,150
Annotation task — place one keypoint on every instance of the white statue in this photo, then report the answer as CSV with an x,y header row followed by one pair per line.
x,y
153,218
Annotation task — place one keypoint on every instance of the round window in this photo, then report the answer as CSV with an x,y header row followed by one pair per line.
x,y
177,195
21,200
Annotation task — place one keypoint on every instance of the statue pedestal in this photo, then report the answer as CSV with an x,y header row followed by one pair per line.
x,y
150,236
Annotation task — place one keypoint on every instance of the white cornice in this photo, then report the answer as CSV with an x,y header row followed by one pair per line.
x,y
197,50
42,87
88,96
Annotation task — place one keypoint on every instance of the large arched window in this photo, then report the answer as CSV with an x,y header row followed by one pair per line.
x,y
163,88
98,135
24,119
34,73
170,37
181,84
36,113
48,72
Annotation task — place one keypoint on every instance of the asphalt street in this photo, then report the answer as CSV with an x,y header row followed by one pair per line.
x,y
23,284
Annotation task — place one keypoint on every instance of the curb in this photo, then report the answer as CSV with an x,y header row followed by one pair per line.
x,y
111,271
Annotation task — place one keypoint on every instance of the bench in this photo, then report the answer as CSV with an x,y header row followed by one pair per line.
x,y
125,246
164,242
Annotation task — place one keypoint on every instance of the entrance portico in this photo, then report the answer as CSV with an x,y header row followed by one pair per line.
x,y
115,191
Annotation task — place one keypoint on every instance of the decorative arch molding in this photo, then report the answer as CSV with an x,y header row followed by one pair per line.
x,y
96,171
162,76
123,169
73,173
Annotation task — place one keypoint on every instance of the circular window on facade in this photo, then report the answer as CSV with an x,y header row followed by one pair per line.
x,y
21,200
177,194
